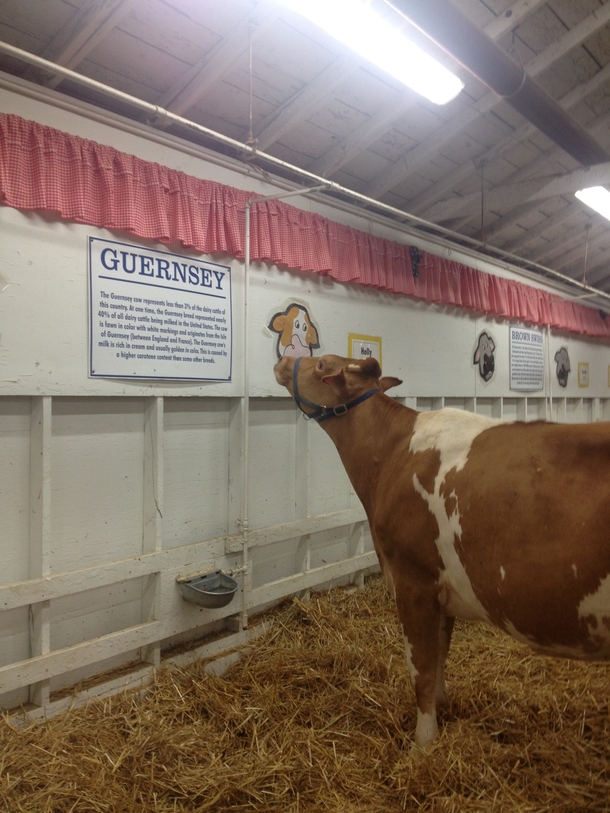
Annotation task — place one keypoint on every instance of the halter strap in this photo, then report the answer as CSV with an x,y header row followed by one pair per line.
x,y
323,413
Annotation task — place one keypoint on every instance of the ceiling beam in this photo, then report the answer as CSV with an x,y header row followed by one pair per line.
x,y
503,197
422,203
603,283
599,271
213,66
518,244
512,216
511,17
577,254
305,101
574,236
371,130
471,207
472,203
364,135
94,20
399,171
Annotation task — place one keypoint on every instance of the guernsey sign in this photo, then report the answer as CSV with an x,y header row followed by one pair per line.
x,y
157,315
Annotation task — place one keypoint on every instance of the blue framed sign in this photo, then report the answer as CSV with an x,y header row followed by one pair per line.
x,y
153,314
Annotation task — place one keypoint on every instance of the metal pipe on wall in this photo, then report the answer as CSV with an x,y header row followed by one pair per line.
x,y
245,401
452,30
245,429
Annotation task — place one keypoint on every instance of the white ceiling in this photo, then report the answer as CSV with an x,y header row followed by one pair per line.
x,y
474,166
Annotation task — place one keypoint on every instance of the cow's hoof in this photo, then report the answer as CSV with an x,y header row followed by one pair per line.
x,y
418,751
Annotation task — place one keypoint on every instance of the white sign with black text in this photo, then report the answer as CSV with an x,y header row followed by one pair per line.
x,y
526,359
153,314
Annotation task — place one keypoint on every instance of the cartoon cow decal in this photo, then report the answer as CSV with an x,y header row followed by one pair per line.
x,y
298,336
484,356
563,366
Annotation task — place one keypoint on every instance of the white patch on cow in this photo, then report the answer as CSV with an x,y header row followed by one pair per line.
x,y
595,609
410,665
426,729
451,432
387,578
502,573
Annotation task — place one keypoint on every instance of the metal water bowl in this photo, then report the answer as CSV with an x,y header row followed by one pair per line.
x,y
211,590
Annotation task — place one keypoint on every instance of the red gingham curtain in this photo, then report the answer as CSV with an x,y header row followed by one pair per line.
x,y
47,169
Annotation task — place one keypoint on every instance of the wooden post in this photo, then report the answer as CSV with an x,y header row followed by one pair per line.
x,y
40,534
152,540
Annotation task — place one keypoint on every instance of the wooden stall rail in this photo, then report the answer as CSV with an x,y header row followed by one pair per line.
x,y
165,566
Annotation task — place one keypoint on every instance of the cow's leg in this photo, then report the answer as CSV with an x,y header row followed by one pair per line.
x,y
446,629
421,618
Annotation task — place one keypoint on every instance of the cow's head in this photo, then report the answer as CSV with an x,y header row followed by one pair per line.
x,y
330,381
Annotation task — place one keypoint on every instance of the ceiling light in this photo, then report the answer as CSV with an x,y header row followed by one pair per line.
x,y
355,24
597,197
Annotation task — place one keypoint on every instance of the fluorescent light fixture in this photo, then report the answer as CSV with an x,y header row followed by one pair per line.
x,y
356,25
597,197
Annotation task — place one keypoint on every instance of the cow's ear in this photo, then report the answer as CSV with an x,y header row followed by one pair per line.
x,y
337,382
278,322
367,367
388,381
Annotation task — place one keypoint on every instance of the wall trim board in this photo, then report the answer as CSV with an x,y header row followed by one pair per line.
x,y
219,653
273,591
181,560
300,527
42,667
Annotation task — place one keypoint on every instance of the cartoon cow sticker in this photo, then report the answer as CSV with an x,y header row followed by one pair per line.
x,y
297,334
484,356
563,366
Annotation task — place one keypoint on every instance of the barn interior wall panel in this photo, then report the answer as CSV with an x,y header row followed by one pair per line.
x,y
111,489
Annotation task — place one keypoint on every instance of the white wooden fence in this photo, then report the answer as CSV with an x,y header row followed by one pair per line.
x,y
107,501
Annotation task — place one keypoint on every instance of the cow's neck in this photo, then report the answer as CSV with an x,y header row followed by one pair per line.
x,y
366,437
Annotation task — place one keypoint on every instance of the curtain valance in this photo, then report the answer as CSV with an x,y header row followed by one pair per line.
x,y
42,168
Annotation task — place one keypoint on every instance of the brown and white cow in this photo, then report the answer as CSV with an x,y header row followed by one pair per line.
x,y
471,517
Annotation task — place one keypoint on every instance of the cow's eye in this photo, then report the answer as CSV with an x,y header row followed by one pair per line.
x,y
320,365
296,324
304,328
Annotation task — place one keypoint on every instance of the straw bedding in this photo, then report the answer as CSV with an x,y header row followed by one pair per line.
x,y
318,716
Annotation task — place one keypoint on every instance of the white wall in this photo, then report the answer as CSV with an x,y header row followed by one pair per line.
x,y
110,489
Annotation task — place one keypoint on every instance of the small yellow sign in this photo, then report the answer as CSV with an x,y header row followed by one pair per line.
x,y
360,346
583,373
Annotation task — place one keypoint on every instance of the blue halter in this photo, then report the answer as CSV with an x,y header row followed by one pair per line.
x,y
323,413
